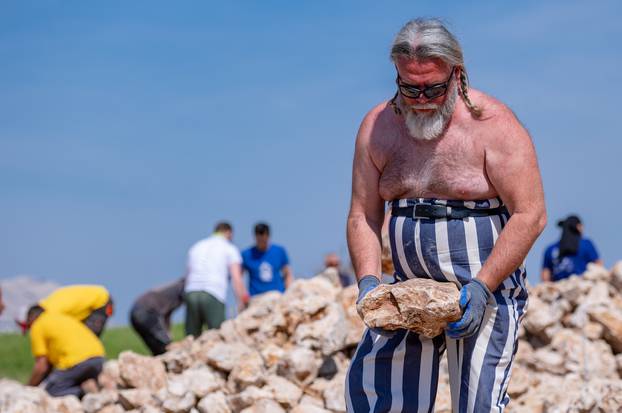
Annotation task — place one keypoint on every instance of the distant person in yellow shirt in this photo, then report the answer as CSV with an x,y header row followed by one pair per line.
x,y
90,304
65,351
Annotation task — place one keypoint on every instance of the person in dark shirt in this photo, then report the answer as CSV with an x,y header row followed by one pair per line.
x,y
571,254
151,314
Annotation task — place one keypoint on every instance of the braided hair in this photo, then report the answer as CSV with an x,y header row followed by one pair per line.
x,y
476,111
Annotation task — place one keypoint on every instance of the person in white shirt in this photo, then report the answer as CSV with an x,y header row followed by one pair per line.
x,y
210,262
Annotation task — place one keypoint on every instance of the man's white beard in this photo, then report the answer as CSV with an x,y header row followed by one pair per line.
x,y
428,126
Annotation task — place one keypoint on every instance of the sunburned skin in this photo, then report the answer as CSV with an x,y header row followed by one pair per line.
x,y
474,158
450,167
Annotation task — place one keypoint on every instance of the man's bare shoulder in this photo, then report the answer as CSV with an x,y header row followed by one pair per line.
x,y
377,123
498,122
493,109
375,132
378,115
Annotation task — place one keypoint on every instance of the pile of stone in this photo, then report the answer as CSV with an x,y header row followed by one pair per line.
x,y
570,351
285,352
289,353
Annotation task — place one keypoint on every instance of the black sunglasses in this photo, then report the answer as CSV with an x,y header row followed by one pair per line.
x,y
430,92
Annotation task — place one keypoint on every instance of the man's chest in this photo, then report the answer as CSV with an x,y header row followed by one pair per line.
x,y
262,263
454,165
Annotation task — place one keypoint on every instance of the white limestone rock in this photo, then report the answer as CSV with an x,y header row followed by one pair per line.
x,y
225,356
214,403
138,371
94,402
299,365
136,398
264,406
334,394
283,391
419,304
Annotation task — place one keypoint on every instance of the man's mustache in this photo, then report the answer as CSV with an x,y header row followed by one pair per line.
x,y
425,106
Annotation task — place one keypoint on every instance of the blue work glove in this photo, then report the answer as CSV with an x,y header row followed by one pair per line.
x,y
366,284
473,299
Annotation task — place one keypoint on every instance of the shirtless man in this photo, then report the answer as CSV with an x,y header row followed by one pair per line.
x,y
466,202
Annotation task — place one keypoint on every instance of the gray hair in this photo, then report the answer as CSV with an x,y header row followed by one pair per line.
x,y
424,39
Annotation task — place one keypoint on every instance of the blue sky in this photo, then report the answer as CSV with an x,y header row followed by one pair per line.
x,y
128,128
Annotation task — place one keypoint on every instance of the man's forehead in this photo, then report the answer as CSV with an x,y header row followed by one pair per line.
x,y
414,67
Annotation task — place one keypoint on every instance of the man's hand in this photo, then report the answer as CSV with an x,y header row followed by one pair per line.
x,y
238,286
243,301
473,299
366,284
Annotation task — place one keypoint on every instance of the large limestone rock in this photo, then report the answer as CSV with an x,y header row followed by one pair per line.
x,y
110,377
248,371
136,398
202,381
611,322
299,365
283,391
308,408
112,408
179,357
264,406
421,305
94,402
334,394
214,403
305,299
179,403
225,356
65,404
326,334
16,398
248,397
138,371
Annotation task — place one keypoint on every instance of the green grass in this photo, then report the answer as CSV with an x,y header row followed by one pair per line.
x,y
16,360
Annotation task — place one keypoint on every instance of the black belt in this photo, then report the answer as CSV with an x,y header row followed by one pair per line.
x,y
442,211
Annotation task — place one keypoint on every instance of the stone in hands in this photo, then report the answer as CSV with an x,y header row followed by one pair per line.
x,y
419,304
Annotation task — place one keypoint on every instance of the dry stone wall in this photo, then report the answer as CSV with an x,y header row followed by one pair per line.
x,y
289,353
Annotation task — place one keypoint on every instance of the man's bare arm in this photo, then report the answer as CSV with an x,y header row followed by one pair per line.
x,y
366,207
545,275
39,371
288,276
238,284
512,168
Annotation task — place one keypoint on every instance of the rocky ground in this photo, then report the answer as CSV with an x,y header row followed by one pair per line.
x,y
289,353
18,293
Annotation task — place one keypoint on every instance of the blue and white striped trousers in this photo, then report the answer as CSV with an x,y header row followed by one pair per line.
x,y
400,374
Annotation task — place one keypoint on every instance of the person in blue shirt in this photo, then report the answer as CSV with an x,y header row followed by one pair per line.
x,y
571,254
267,264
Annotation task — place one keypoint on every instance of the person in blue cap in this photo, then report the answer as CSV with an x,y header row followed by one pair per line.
x,y
571,254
